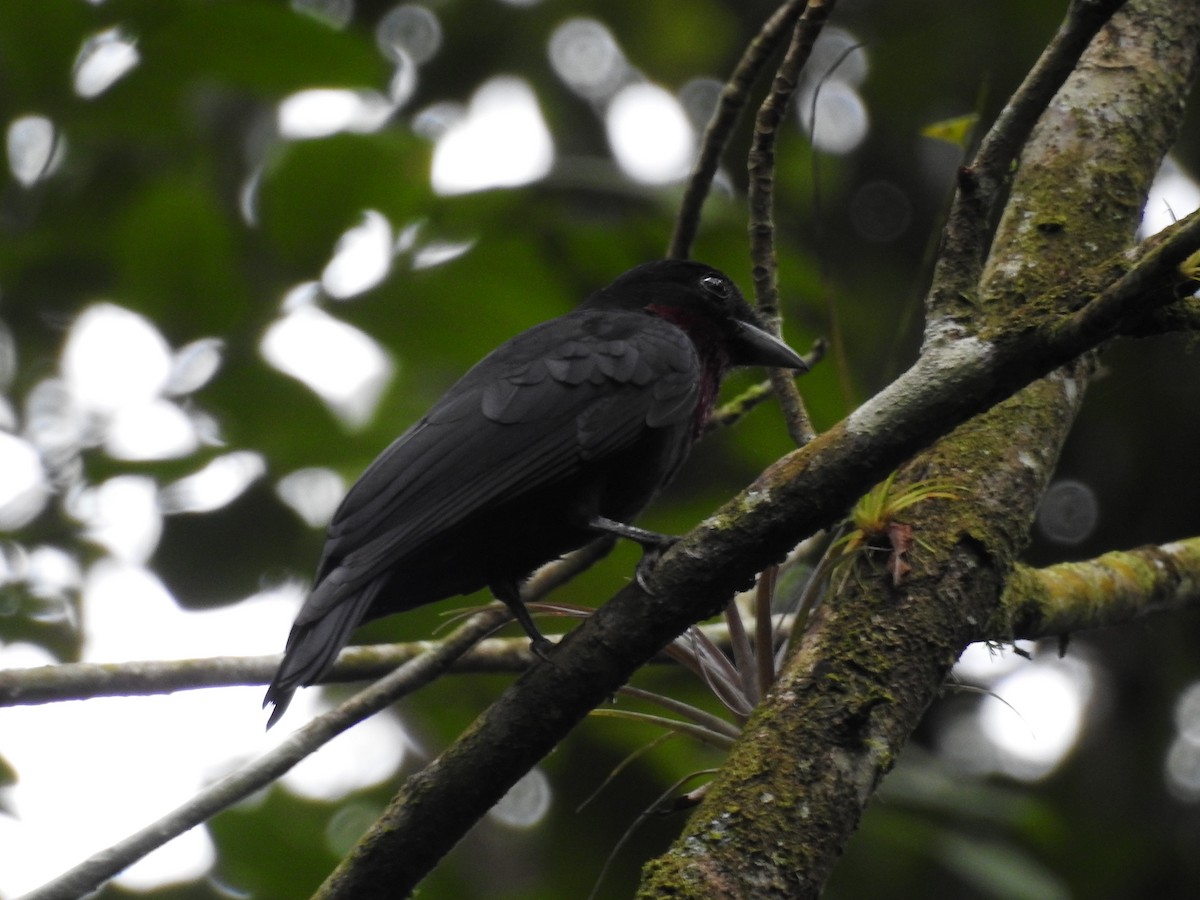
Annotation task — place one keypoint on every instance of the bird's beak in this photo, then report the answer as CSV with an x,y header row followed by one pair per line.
x,y
754,347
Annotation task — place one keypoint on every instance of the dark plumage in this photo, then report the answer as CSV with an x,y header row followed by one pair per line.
x,y
559,433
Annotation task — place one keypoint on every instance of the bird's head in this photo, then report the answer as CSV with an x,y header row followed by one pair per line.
x,y
706,304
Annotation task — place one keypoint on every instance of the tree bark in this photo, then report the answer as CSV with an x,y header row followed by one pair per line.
x,y
780,811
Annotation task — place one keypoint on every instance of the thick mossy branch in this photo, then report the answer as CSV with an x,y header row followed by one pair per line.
x,y
1115,587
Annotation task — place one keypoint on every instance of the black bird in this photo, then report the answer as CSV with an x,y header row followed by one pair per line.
x,y
566,430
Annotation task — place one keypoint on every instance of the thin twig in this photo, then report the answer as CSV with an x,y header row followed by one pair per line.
x,y
642,817
141,678
761,168
1154,280
730,413
725,117
1183,316
841,360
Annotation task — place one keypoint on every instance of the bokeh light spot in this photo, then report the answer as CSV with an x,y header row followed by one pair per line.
x,y
34,148
880,211
348,824
838,56
437,253
403,83
1036,716
122,515
840,116
1183,769
984,663
699,99
104,59
650,135
23,487
1173,195
1187,712
585,55
313,493
154,429
526,802
343,366
410,31
193,366
502,141
369,753
320,112
361,259
114,357
334,13
217,484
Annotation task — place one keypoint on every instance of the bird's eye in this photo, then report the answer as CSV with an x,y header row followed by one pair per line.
x,y
715,285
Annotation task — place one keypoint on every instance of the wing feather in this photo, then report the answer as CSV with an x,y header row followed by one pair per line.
x,y
533,413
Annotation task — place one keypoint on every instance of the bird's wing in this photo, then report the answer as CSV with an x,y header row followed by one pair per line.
x,y
532,413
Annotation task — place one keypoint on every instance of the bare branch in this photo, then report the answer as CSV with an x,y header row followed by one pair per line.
x,y
729,109
82,681
761,167
366,662
730,413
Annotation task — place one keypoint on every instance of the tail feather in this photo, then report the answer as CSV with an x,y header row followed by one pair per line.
x,y
313,645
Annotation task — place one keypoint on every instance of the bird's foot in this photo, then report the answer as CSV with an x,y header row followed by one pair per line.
x,y
653,543
541,647
642,536
651,554
508,594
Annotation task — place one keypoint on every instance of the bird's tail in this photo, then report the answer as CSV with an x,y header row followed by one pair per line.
x,y
313,645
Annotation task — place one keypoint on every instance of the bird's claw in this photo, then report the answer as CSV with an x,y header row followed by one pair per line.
x,y
651,554
541,647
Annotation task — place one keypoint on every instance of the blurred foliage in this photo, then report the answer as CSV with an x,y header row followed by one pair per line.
x,y
147,211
